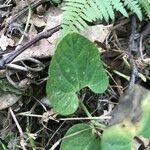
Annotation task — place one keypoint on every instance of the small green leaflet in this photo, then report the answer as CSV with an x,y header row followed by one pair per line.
x,y
75,65
80,137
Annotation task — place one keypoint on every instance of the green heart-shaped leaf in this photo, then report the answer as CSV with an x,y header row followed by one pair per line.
x,y
75,65
80,137
118,137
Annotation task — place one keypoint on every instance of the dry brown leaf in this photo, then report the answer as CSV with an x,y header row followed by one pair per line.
x,y
7,100
5,41
37,21
45,47
97,32
53,17
41,49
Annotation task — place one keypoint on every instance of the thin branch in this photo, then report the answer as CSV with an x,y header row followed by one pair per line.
x,y
22,142
133,46
66,119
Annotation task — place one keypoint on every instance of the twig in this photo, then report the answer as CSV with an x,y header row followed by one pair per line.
x,y
22,142
134,72
134,37
140,47
133,46
67,119
86,118
24,67
8,57
4,6
55,144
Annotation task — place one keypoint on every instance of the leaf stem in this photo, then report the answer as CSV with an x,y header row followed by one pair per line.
x,y
85,109
93,122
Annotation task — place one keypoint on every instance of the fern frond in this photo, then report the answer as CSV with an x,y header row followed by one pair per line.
x,y
101,6
76,13
133,5
145,4
118,6
72,20
108,6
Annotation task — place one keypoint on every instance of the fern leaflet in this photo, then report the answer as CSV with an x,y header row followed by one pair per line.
x,y
76,13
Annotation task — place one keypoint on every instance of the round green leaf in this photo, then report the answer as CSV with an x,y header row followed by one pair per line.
x,y
80,137
117,137
75,65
